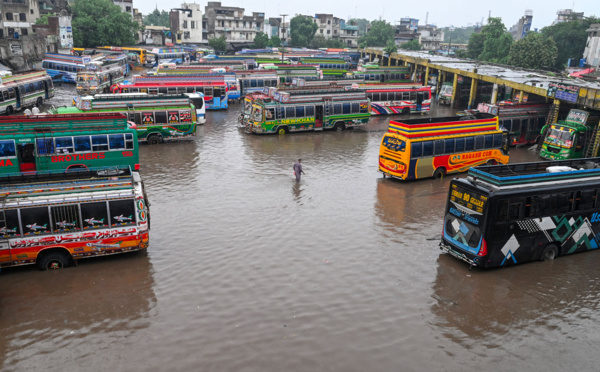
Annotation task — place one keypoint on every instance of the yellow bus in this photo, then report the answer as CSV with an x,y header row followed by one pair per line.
x,y
434,147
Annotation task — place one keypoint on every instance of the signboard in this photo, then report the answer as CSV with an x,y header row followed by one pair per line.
x,y
578,116
469,199
563,92
15,49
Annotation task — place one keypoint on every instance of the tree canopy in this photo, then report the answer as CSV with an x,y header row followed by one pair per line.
x,y
274,41
379,35
535,51
261,40
100,22
157,18
43,20
320,41
411,45
219,44
492,44
570,38
391,47
302,31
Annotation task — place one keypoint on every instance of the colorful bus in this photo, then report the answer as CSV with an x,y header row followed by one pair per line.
x,y
26,90
434,147
383,74
121,60
65,66
141,52
98,79
174,55
572,138
249,82
158,118
55,143
233,91
508,214
523,121
214,92
284,113
56,219
397,99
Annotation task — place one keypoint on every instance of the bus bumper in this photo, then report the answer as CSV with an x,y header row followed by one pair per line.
x,y
461,256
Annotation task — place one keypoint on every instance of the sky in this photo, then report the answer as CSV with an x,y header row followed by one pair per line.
x,y
442,13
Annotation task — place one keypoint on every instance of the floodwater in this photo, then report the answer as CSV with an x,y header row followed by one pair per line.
x,y
249,271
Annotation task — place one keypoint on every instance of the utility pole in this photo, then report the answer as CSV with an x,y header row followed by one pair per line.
x,y
283,38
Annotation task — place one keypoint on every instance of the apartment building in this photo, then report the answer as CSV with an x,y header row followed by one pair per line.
x,y
231,23
186,23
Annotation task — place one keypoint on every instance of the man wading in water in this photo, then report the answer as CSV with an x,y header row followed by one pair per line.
x,y
298,170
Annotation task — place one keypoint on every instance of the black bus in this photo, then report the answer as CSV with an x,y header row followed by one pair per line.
x,y
507,214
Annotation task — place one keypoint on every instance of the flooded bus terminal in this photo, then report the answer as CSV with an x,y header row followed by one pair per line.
x,y
248,270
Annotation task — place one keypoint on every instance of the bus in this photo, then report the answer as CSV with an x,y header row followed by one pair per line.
x,y
54,220
25,90
508,214
99,79
383,74
397,99
284,113
522,121
574,137
229,78
434,147
214,92
168,55
121,60
56,143
249,82
141,52
64,67
158,118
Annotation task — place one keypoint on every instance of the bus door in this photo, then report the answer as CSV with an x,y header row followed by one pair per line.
x,y
319,116
20,91
419,101
26,156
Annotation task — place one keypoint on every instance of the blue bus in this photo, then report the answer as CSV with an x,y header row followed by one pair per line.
x,y
64,67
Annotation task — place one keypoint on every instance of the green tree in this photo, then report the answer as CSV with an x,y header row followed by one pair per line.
x,y
411,45
497,42
475,45
534,51
379,34
274,41
302,31
43,20
100,22
570,38
261,40
157,18
391,47
219,44
320,41
361,23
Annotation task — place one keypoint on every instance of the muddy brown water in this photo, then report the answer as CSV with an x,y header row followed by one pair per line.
x,y
249,271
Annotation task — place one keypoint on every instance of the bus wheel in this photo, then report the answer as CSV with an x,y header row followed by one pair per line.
x,y
406,111
9,110
439,173
339,127
154,139
39,102
491,162
282,130
549,253
53,261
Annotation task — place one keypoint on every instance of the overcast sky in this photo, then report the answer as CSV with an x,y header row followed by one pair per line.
x,y
455,13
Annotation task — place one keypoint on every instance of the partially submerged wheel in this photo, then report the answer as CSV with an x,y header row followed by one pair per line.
x,y
491,162
154,140
549,253
439,173
406,111
282,130
10,110
339,126
39,102
54,261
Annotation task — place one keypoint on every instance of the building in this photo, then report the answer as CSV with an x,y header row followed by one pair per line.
x,y
329,26
592,48
431,37
348,34
567,15
276,28
519,30
231,23
405,32
186,23
156,35
139,19
17,17
58,33
126,5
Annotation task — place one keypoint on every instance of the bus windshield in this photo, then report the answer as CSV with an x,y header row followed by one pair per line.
x,y
257,114
464,217
560,137
446,90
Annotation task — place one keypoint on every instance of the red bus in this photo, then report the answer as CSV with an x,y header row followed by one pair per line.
x,y
215,92
391,99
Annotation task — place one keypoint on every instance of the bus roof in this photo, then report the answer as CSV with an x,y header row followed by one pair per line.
x,y
428,127
26,76
536,173
179,83
119,101
336,95
12,125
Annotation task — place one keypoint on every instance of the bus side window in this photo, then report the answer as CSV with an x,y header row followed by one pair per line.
x,y
290,112
122,212
65,218
514,212
337,109
35,221
160,117
64,145
7,149
502,208
99,143
346,108
416,149
116,141
489,141
563,202
300,111
94,215
45,146
164,90
478,142
497,140
12,224
82,143
449,148
460,145
128,141
310,110
428,148
438,147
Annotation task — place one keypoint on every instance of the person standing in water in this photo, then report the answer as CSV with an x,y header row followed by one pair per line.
x,y
298,170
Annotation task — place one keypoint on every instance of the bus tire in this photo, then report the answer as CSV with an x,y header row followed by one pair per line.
x,y
406,111
282,130
154,139
549,253
439,173
39,102
339,126
53,260
491,162
9,110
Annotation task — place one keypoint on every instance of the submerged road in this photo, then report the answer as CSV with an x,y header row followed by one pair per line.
x,y
249,271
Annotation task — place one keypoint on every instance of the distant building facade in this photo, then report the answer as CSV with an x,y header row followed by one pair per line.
x,y
186,23
592,47
126,6
431,37
567,15
17,17
231,23
349,34
520,30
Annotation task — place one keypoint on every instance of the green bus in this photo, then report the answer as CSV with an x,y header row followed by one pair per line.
x,y
282,112
572,138
158,118
57,143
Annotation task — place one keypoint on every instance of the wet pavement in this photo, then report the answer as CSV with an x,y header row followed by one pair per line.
x,y
249,271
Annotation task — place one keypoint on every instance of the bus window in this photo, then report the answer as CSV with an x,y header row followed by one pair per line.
x,y
416,149
438,147
514,211
428,148
122,212
45,146
82,143
337,109
489,141
460,145
164,90
64,145
99,143
469,143
94,215
299,111
65,218
479,142
290,112
116,141
12,224
160,117
497,140
449,148
35,221
346,108
7,149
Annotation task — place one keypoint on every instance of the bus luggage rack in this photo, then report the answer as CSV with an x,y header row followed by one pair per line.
x,y
535,173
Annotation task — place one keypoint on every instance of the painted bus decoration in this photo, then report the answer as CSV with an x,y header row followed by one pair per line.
x,y
18,92
98,79
56,143
504,215
435,147
395,99
55,220
157,118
